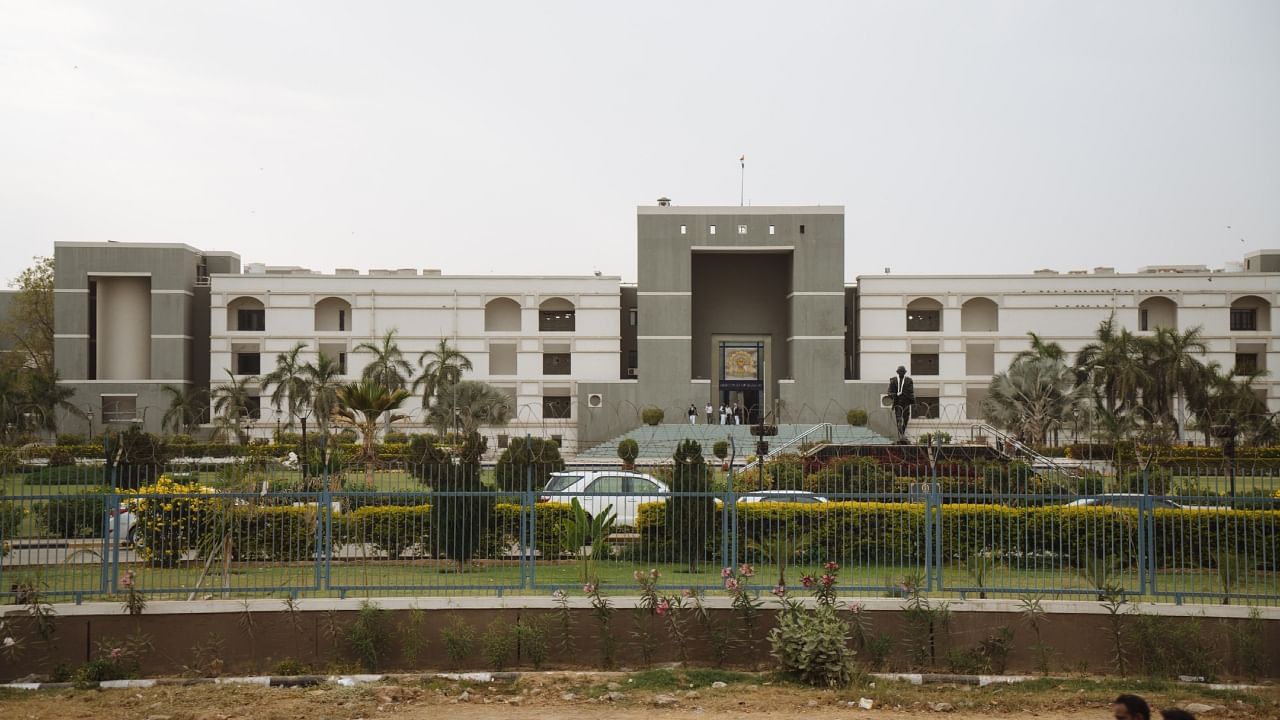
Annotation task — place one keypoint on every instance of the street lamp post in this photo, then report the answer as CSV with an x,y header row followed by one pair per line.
x,y
88,413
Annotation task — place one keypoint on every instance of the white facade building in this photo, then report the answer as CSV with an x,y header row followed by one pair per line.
x,y
955,332
535,337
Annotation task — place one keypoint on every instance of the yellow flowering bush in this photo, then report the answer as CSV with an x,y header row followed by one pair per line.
x,y
170,516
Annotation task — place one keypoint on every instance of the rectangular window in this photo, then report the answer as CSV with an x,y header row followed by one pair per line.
x,y
1244,319
927,407
119,408
342,320
556,407
801,229
248,363
634,316
742,229
973,398
556,363
1246,362
924,363
924,320
503,441
556,321
502,358
711,230
633,359
93,330
684,229
980,360
772,229
253,407
252,320
1142,319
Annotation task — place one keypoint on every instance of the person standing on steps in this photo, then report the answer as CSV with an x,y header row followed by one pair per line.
x,y
724,413
902,392
711,414
693,414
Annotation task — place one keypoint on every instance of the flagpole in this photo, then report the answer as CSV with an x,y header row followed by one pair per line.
x,y
742,181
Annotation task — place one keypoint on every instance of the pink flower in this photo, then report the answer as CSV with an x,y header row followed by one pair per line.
x,y
726,572
780,590
828,580
730,584
116,653
746,570
653,573
855,607
127,581
807,581
559,595
589,588
686,593
663,607
831,566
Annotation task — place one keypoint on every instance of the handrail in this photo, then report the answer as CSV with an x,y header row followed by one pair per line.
x,y
826,426
1016,444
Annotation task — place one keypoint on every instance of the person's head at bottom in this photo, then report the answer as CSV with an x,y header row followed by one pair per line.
x,y
1131,707
1177,714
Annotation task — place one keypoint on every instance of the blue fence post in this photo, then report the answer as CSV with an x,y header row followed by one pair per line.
x,y
326,516
1144,509
729,516
110,503
526,541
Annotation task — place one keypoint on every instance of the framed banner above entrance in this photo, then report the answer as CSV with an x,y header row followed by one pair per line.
x,y
741,375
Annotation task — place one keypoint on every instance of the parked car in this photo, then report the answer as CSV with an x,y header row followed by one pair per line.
x,y
126,519
788,496
598,489
1125,500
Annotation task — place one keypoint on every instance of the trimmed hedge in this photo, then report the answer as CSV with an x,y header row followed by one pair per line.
x,y
857,532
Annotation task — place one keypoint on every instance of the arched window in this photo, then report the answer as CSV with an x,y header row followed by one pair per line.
x,y
979,315
502,314
1157,312
556,315
1251,313
333,315
246,314
924,315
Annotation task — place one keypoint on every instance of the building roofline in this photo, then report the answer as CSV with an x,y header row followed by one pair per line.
x,y
393,276
143,246
1069,276
739,209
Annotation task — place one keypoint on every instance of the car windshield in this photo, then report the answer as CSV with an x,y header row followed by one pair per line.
x,y
560,482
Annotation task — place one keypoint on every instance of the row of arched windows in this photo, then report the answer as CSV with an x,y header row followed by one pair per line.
x,y
334,315
982,314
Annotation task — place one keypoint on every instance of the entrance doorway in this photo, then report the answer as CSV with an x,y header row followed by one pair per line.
x,y
750,402
740,377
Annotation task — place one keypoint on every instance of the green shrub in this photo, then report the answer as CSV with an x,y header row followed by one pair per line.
x,y
856,417
347,436
457,521
78,515
389,528
1159,481
136,457
935,438
74,475
11,516
812,646
272,533
395,437
70,439
628,451
525,461
652,415
784,472
498,643
692,517
459,640
850,475
369,635
720,449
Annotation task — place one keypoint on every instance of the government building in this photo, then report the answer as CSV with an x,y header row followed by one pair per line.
x,y
731,305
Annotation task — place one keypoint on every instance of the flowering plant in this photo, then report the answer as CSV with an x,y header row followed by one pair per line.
x,y
134,601
812,644
170,516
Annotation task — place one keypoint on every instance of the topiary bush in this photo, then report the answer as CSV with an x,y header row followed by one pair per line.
x,y
652,415
720,449
459,521
856,417
527,458
628,451
691,517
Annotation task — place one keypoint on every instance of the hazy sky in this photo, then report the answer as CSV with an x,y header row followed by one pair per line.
x,y
519,137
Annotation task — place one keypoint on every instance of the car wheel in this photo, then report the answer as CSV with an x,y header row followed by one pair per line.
x,y
132,538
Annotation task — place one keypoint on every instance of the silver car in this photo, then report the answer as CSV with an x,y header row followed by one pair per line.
x,y
597,490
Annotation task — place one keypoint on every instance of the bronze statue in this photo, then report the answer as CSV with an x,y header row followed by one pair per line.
x,y
902,393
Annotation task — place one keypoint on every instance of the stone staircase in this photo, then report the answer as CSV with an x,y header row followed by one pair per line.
x,y
658,442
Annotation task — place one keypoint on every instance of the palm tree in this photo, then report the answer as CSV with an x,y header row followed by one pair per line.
x,y
1033,398
46,398
1041,349
441,366
470,404
323,378
1113,367
187,406
289,380
1176,369
231,403
360,405
388,367
1230,402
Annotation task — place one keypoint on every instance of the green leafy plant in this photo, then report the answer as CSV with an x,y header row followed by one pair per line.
x,y
979,565
603,611
528,462
856,417
134,601
644,612
206,657
114,660
564,624
691,509
459,640
1034,617
811,645
369,635
413,637
746,607
652,415
1115,605
628,451
925,624
720,449
1248,646
531,635
497,643
290,667
588,537
1231,568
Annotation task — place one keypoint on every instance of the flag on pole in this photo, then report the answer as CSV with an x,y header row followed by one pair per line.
x,y
743,160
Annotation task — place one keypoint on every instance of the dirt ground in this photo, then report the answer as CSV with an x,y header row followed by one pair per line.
x,y
587,696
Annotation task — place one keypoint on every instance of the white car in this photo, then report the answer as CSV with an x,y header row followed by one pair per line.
x,y
596,490
124,518
1124,500
787,496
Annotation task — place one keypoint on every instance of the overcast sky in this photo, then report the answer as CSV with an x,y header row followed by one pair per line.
x,y
519,137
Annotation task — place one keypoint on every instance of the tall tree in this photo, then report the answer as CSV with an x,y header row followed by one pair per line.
x,y
187,406
323,378
388,368
360,405
1041,349
1175,369
1113,366
29,326
290,392
231,402
469,404
440,366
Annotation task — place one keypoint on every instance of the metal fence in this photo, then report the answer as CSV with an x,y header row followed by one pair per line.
x,y
948,529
